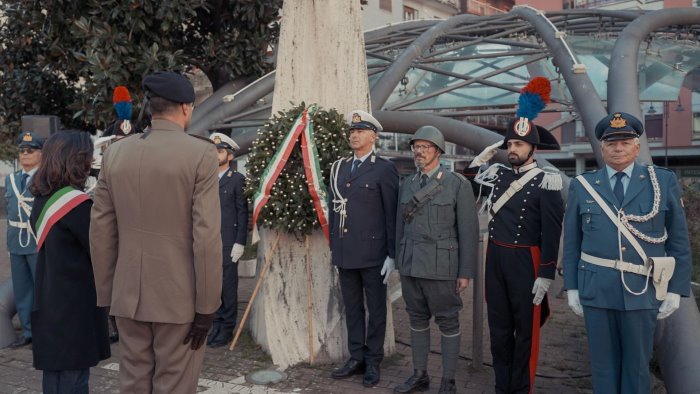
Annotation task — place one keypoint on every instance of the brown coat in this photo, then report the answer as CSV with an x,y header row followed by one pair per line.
x,y
155,227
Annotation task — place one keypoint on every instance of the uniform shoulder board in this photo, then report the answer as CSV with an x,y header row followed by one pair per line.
x,y
202,138
459,176
115,140
551,179
663,168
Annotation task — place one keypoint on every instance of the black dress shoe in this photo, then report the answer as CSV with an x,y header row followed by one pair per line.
x,y
447,386
371,377
351,367
23,341
420,381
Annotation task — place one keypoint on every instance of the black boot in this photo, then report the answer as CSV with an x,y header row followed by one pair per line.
x,y
447,386
420,381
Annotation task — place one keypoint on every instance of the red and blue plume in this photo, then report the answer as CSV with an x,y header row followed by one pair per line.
x,y
533,98
122,103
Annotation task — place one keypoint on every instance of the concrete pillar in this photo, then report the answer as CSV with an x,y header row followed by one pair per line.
x,y
580,164
321,60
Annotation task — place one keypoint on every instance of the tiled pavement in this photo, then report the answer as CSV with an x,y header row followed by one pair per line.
x,y
563,366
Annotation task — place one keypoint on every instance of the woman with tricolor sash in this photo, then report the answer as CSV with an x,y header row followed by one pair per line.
x,y
70,331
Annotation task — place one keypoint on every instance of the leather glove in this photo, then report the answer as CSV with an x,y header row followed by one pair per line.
x,y
669,305
387,268
485,155
539,289
574,302
236,252
198,332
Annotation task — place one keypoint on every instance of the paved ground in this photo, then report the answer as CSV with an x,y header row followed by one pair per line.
x,y
563,366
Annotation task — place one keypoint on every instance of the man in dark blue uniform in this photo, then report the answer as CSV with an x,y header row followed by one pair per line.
x,y
21,243
525,214
362,238
234,231
616,218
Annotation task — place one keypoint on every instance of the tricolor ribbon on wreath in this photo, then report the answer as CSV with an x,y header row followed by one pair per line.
x,y
302,129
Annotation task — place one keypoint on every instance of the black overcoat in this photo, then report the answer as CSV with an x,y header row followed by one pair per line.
x,y
69,330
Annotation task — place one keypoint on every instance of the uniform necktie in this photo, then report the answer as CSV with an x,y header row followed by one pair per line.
x,y
619,190
356,163
23,182
423,180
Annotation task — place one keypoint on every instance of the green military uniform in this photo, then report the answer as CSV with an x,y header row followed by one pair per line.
x,y
437,229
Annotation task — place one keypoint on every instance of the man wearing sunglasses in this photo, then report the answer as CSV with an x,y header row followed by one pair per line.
x,y
20,240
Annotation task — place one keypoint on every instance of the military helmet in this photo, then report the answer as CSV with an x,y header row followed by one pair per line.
x,y
432,134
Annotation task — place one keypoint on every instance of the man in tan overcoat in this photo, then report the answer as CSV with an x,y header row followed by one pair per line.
x,y
156,244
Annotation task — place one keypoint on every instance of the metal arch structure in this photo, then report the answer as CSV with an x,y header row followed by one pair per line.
x,y
622,84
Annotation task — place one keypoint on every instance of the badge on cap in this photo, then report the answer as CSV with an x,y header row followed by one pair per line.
x,y
522,127
217,140
618,122
27,137
356,118
125,127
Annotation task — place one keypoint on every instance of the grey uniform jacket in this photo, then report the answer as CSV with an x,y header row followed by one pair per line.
x,y
441,240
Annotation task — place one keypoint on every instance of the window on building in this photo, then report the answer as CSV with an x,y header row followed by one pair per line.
x,y
409,13
385,5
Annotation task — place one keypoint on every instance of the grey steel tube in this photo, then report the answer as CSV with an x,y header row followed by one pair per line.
x,y
381,90
676,341
244,99
586,98
623,87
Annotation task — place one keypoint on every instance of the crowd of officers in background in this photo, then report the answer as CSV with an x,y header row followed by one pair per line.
x,y
140,249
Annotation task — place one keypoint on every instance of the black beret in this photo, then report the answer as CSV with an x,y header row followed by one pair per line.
x,y
28,139
618,126
170,86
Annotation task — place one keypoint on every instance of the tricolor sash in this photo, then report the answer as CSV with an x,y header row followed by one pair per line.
x,y
58,205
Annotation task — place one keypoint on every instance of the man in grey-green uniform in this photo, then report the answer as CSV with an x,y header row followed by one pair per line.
x,y
437,229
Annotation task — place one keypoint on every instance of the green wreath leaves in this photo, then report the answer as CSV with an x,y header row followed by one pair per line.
x,y
290,206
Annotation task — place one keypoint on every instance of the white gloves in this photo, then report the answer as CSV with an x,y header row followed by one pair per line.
x,y
486,155
539,289
669,305
574,302
236,252
387,268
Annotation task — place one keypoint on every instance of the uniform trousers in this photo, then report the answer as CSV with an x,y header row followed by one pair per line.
x,y
424,299
66,382
360,286
510,275
23,267
620,344
225,320
154,360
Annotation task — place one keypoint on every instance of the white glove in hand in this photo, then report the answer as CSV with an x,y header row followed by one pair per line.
x,y
574,302
236,252
485,155
387,268
669,305
539,289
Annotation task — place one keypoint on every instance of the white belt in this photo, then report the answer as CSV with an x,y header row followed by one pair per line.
x,y
616,264
18,224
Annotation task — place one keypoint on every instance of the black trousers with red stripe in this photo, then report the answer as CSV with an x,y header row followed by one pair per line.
x,y
510,274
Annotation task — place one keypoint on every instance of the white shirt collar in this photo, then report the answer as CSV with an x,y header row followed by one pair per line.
x,y
363,158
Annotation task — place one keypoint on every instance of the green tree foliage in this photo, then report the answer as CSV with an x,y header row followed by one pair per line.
x,y
64,57
290,208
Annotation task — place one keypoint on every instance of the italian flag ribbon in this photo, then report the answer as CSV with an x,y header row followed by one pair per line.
x,y
62,202
301,129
